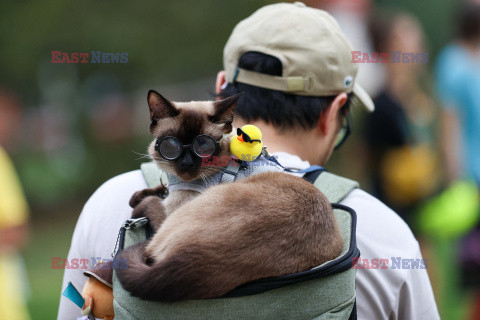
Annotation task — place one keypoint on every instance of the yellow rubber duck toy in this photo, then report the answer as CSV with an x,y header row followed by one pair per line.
x,y
247,144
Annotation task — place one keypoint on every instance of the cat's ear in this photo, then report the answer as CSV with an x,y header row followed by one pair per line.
x,y
159,107
224,109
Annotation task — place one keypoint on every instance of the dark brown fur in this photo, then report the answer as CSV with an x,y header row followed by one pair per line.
x,y
205,245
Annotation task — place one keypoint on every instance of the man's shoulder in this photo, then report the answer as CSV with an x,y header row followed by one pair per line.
x,y
118,187
380,231
110,200
131,179
108,206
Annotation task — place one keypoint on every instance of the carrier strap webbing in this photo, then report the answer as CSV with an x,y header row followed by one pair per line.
x,y
334,187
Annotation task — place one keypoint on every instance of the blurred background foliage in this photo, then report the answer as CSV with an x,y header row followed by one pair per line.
x,y
62,149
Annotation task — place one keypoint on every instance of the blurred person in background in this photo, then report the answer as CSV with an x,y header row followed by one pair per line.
x,y
400,133
458,87
13,219
353,16
13,235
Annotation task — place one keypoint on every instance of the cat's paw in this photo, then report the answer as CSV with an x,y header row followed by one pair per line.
x,y
160,191
137,198
152,208
142,206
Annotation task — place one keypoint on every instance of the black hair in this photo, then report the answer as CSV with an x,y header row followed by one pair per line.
x,y
469,21
283,110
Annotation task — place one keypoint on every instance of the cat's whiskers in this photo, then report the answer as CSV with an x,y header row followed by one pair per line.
x,y
159,159
210,171
204,177
142,155
207,175
214,169
208,178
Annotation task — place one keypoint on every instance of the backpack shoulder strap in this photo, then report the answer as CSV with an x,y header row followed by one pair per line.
x,y
152,174
335,188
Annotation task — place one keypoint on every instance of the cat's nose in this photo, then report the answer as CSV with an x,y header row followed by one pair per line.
x,y
187,161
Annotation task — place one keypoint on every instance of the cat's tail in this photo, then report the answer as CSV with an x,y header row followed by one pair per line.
x,y
173,279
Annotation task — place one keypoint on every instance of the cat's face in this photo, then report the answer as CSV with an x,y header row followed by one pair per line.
x,y
185,121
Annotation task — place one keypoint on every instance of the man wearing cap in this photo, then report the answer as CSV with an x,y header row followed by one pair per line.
x,y
294,65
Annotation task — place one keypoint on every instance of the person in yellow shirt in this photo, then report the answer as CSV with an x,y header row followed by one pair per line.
x,y
13,234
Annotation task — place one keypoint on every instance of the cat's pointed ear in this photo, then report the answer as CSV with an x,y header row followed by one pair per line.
x,y
159,107
224,109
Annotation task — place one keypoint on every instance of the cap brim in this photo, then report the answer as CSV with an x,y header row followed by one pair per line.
x,y
363,97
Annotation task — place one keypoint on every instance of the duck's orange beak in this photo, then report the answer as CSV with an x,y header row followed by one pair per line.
x,y
240,138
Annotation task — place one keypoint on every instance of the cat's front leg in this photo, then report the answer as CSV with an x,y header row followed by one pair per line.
x,y
152,208
159,191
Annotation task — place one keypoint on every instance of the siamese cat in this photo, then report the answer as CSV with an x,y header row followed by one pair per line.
x,y
206,244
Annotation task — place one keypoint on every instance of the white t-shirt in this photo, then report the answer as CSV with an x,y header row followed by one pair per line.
x,y
402,290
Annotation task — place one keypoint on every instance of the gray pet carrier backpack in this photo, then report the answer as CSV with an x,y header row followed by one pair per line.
x,y
324,292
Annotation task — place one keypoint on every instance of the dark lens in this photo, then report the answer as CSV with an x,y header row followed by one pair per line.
x,y
246,137
204,146
170,148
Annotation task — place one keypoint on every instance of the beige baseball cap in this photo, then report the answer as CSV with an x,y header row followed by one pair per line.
x,y
315,55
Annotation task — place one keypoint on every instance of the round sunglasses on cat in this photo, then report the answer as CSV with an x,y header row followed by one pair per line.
x,y
171,148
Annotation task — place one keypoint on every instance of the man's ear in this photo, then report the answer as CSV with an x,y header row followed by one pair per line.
x,y
159,107
328,120
221,80
224,111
